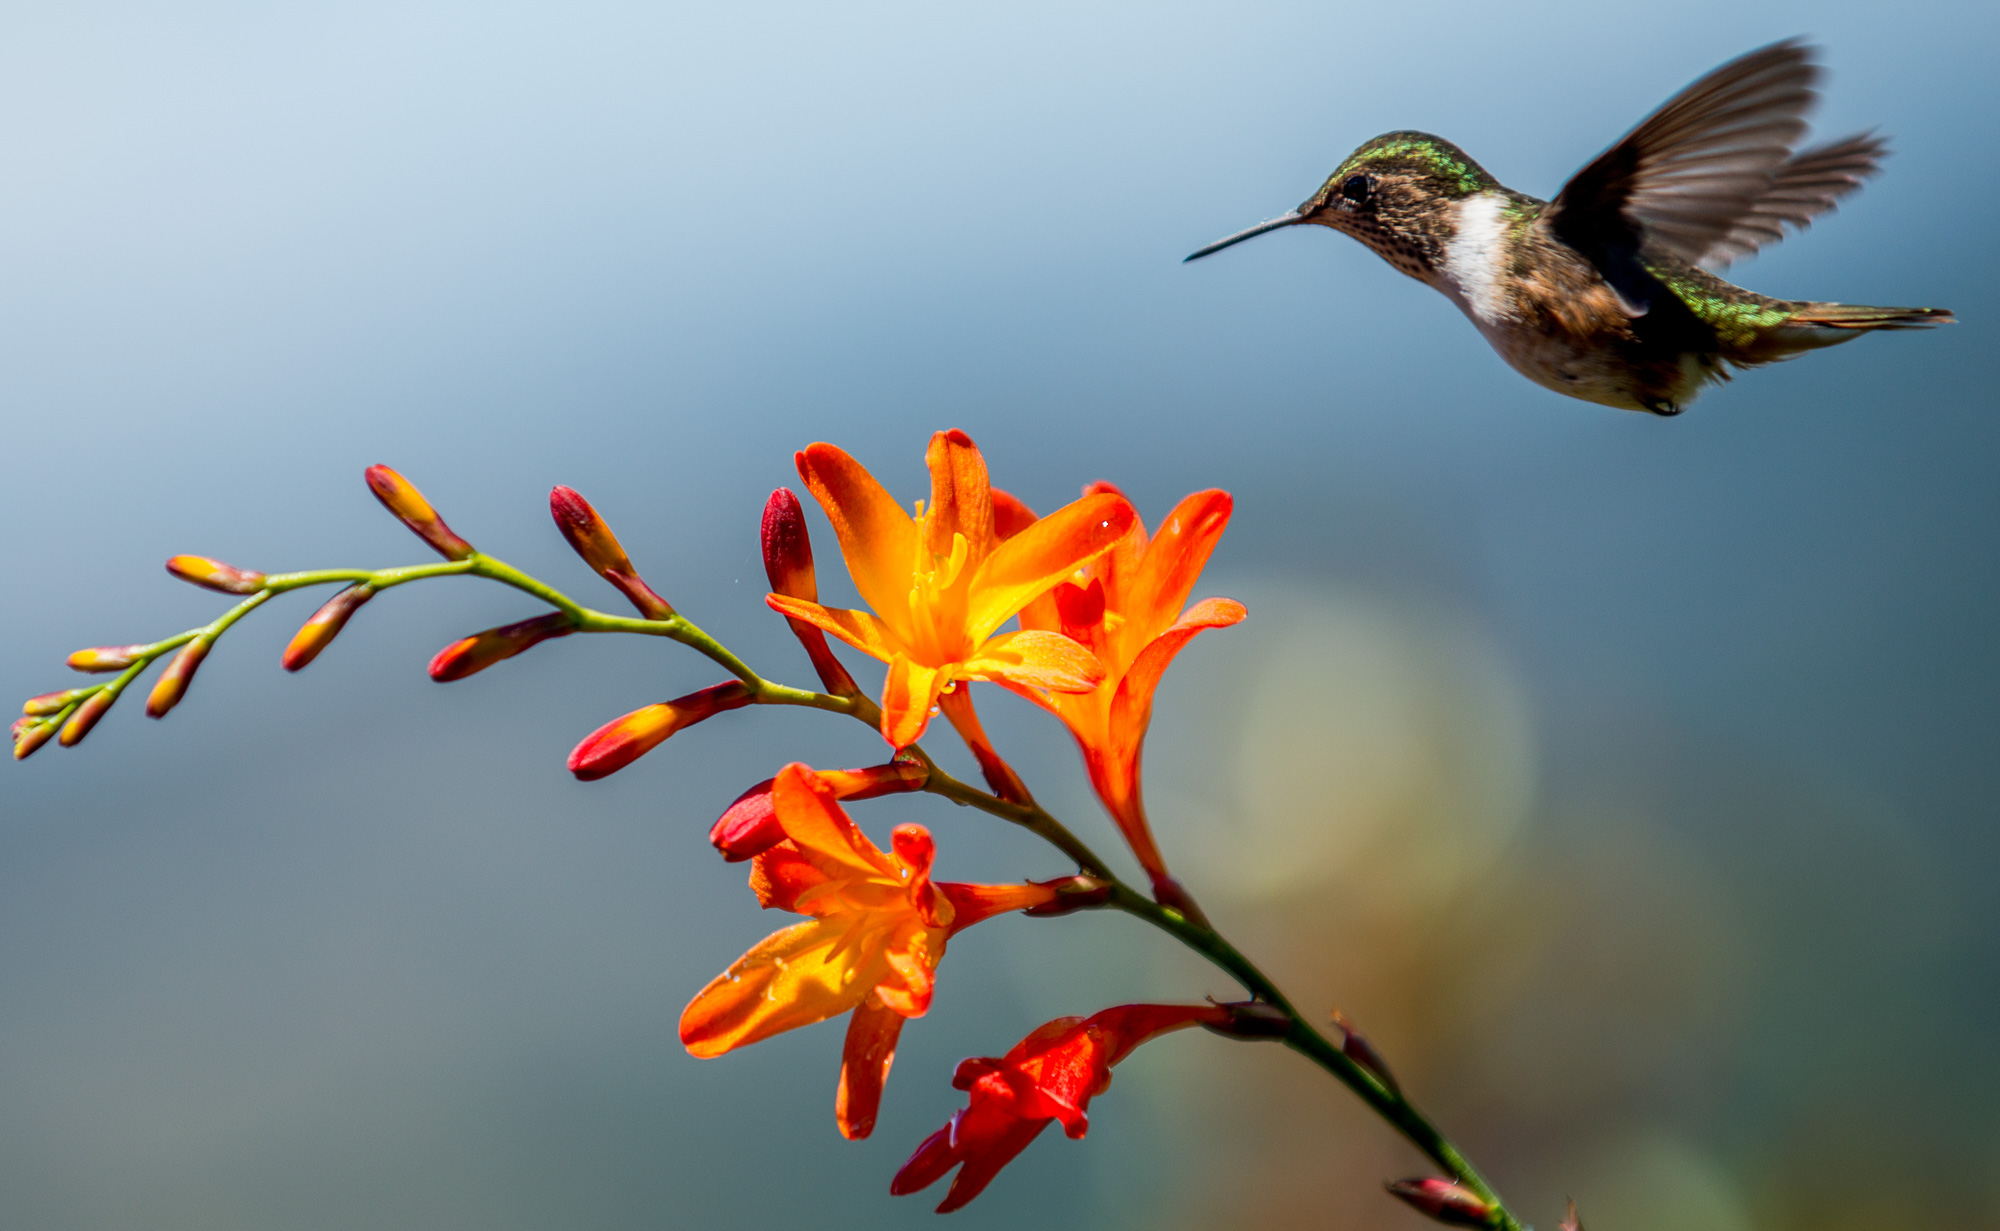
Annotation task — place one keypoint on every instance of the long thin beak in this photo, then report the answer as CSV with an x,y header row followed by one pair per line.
x,y
1282,220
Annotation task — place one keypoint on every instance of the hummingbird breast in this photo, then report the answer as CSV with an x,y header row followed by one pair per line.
x,y
1551,315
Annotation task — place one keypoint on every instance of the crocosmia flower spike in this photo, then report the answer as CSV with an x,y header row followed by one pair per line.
x,y
878,928
942,582
1048,1077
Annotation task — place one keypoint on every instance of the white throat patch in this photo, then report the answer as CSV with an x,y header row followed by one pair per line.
x,y
1475,260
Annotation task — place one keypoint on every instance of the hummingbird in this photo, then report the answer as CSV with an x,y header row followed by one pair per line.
x,y
1605,293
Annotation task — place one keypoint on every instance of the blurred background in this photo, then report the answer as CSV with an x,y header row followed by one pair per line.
x,y
1630,782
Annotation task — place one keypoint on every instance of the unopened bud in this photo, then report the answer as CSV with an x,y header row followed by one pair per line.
x,y
788,562
86,717
173,682
481,650
215,575
1252,1019
105,658
622,741
1359,1050
324,625
1079,892
53,702
1571,1223
591,538
400,496
30,734
1449,1203
749,826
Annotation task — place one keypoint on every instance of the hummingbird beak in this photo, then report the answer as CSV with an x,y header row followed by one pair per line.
x,y
1282,220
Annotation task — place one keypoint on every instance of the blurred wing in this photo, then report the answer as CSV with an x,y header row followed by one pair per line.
x,y
1684,177
1806,187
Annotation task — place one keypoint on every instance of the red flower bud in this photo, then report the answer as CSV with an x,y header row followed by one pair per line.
x,y
788,562
622,741
1571,1223
400,497
30,734
215,575
52,702
85,718
105,658
1363,1053
481,650
592,539
1449,1203
1073,893
324,625
749,826
173,682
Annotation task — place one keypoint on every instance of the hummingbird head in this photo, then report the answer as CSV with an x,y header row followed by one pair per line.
x,y
1398,194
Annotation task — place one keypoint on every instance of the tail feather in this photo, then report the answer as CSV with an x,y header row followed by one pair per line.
x,y
1862,317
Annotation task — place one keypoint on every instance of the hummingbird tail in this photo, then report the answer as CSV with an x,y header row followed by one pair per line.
x,y
1860,317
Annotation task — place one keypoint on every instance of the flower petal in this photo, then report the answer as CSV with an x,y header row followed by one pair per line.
x,y
908,694
971,904
1041,555
1133,707
859,629
1011,514
961,496
1172,563
864,1066
910,981
980,1169
878,539
804,974
1035,658
820,829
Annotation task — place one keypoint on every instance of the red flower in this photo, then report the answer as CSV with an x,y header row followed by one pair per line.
x,y
1049,1076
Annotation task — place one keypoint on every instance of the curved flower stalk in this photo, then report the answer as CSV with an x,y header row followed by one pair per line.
x,y
1100,607
942,583
879,926
1125,607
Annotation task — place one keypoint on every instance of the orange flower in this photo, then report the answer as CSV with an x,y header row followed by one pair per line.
x,y
941,583
1125,607
878,929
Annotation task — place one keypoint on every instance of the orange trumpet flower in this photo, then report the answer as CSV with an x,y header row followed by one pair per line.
x,y
941,583
1125,607
878,929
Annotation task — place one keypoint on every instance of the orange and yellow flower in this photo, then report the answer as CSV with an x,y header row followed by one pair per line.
x,y
1125,607
942,582
878,928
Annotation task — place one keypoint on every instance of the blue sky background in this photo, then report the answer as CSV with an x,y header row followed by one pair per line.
x,y
350,949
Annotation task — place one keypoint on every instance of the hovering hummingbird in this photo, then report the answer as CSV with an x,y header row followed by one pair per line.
x,y
1600,294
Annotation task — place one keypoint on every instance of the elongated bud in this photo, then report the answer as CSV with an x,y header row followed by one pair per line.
x,y
1359,1050
324,625
52,702
788,562
100,658
173,682
482,650
400,496
30,734
592,539
622,741
749,826
1251,1019
1452,1204
1571,1223
215,575
86,717
1073,893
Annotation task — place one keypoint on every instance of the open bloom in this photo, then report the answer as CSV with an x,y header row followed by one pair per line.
x,y
1125,607
1048,1077
942,582
879,926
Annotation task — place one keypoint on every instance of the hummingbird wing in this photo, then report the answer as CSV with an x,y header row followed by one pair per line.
x,y
1809,185
1693,169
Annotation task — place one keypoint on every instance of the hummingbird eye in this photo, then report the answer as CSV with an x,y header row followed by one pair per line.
x,y
1355,188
